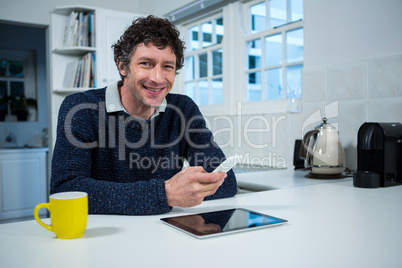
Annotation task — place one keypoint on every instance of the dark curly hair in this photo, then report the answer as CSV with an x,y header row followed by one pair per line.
x,y
158,31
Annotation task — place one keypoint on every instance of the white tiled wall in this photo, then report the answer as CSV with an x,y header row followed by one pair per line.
x,y
348,93
385,77
346,81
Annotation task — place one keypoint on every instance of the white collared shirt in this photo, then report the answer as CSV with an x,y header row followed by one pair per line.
x,y
113,103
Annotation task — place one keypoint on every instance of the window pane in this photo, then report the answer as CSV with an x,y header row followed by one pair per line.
x,y
203,64
3,88
294,46
203,92
217,91
217,62
219,30
193,36
254,87
189,89
258,14
296,10
206,34
16,68
254,53
273,49
17,89
273,84
277,13
3,105
189,70
3,67
293,81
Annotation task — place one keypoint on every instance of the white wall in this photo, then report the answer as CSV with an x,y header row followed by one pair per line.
x,y
353,61
38,11
346,30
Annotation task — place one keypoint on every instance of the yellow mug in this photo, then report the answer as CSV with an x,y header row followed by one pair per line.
x,y
68,214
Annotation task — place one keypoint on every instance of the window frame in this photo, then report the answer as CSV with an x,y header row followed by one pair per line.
x,y
184,29
266,106
29,77
236,30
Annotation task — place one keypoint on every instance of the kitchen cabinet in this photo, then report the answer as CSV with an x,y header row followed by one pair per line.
x,y
23,182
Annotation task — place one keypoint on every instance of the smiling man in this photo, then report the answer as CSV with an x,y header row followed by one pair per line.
x,y
126,144
148,79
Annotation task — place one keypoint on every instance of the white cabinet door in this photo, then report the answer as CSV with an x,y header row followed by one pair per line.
x,y
22,183
110,26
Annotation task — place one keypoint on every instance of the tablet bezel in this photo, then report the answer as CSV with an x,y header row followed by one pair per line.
x,y
196,234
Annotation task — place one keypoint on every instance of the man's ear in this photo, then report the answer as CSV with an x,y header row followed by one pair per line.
x,y
122,71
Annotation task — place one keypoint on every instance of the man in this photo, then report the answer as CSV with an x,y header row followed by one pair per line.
x,y
125,145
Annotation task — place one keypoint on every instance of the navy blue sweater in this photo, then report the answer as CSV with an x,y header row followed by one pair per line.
x,y
122,162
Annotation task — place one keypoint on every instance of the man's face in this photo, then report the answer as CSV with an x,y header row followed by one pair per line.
x,y
151,74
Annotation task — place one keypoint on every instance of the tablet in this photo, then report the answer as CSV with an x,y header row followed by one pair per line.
x,y
215,223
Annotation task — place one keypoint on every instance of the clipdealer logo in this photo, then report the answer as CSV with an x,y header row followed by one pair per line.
x,y
234,132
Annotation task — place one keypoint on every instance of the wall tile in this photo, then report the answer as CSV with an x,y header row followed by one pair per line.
x,y
280,150
349,94
255,135
311,115
385,110
260,138
347,81
385,77
352,114
313,84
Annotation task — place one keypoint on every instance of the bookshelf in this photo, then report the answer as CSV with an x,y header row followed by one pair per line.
x,y
73,49
108,25
111,23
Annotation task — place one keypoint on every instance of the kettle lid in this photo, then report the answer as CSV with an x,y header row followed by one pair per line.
x,y
324,125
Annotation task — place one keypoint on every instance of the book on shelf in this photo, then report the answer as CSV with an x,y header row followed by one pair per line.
x,y
81,72
80,30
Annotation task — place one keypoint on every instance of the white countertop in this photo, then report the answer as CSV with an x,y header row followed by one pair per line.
x,y
282,179
331,224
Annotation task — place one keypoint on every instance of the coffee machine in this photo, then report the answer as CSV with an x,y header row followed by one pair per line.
x,y
379,155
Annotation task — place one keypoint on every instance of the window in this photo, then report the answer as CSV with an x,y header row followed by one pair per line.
x,y
17,82
203,78
274,50
247,54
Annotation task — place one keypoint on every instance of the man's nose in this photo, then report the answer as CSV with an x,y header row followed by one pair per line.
x,y
156,74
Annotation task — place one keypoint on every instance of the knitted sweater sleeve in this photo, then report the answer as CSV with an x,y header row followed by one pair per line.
x,y
72,162
204,151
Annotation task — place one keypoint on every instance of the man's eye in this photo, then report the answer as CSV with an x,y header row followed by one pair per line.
x,y
145,63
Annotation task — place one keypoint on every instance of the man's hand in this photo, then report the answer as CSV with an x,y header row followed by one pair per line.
x,y
189,187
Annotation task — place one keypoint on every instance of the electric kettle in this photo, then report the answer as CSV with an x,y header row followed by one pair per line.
x,y
322,151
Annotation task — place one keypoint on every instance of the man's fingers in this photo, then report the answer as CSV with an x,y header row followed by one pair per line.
x,y
208,178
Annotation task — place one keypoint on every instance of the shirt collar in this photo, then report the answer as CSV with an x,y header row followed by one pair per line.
x,y
113,103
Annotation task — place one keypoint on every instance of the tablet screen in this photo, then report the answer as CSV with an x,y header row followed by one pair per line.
x,y
222,222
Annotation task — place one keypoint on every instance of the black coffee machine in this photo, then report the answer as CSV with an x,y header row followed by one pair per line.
x,y
379,155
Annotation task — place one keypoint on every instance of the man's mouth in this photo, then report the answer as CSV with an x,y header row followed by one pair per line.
x,y
153,89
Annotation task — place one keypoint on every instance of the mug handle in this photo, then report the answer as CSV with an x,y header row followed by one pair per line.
x,y
36,211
